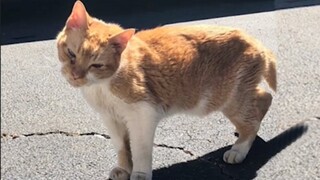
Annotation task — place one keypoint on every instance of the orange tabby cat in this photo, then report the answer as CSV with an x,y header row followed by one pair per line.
x,y
133,80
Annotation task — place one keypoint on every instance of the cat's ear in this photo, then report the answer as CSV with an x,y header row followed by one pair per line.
x,y
78,18
120,40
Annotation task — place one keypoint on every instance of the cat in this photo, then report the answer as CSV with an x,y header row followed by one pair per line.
x,y
134,79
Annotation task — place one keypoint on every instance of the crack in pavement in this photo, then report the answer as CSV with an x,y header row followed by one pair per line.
x,y
175,147
15,136
195,139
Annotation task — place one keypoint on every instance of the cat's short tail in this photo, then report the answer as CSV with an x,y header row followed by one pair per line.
x,y
270,73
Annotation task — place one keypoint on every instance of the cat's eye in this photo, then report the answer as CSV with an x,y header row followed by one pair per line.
x,y
72,56
97,65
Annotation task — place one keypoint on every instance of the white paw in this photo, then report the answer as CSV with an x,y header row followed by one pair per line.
x,y
140,176
119,173
233,157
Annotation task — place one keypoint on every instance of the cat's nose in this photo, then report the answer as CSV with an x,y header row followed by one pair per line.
x,y
77,74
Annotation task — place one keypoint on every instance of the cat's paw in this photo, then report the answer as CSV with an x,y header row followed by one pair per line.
x,y
233,157
119,173
140,176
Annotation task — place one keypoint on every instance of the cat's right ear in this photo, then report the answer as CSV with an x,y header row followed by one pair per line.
x,y
121,40
78,18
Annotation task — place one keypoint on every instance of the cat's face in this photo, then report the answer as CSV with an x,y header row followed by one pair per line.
x,y
89,49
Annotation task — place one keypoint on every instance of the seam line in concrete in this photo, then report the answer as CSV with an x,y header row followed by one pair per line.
x,y
175,147
15,136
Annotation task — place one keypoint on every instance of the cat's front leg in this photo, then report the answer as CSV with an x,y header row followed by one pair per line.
x,y
120,139
123,169
142,129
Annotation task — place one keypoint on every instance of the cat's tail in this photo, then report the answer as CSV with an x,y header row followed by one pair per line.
x,y
270,73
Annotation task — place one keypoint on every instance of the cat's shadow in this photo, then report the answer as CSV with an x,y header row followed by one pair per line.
x,y
211,165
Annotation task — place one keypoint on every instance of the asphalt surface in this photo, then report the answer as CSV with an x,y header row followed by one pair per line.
x,y
49,132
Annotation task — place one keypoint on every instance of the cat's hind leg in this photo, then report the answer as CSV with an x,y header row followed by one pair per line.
x,y
246,112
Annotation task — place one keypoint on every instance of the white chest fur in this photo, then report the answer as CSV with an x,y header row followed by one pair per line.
x,y
99,96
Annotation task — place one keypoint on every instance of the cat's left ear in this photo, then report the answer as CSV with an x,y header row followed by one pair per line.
x,y
121,40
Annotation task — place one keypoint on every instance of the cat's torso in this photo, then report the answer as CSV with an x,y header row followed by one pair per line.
x,y
182,68
191,69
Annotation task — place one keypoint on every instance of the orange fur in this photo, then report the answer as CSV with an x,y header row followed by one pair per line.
x,y
174,68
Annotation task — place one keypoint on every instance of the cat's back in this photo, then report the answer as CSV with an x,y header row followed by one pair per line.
x,y
190,33
176,31
189,39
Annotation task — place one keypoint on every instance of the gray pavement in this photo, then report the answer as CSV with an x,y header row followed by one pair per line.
x,y
49,132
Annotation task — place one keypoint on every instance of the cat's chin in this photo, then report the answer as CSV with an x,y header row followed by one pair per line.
x,y
77,84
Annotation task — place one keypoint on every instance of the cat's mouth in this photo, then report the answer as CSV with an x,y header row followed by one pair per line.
x,y
77,83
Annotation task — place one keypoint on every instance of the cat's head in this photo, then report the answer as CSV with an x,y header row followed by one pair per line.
x,y
90,49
